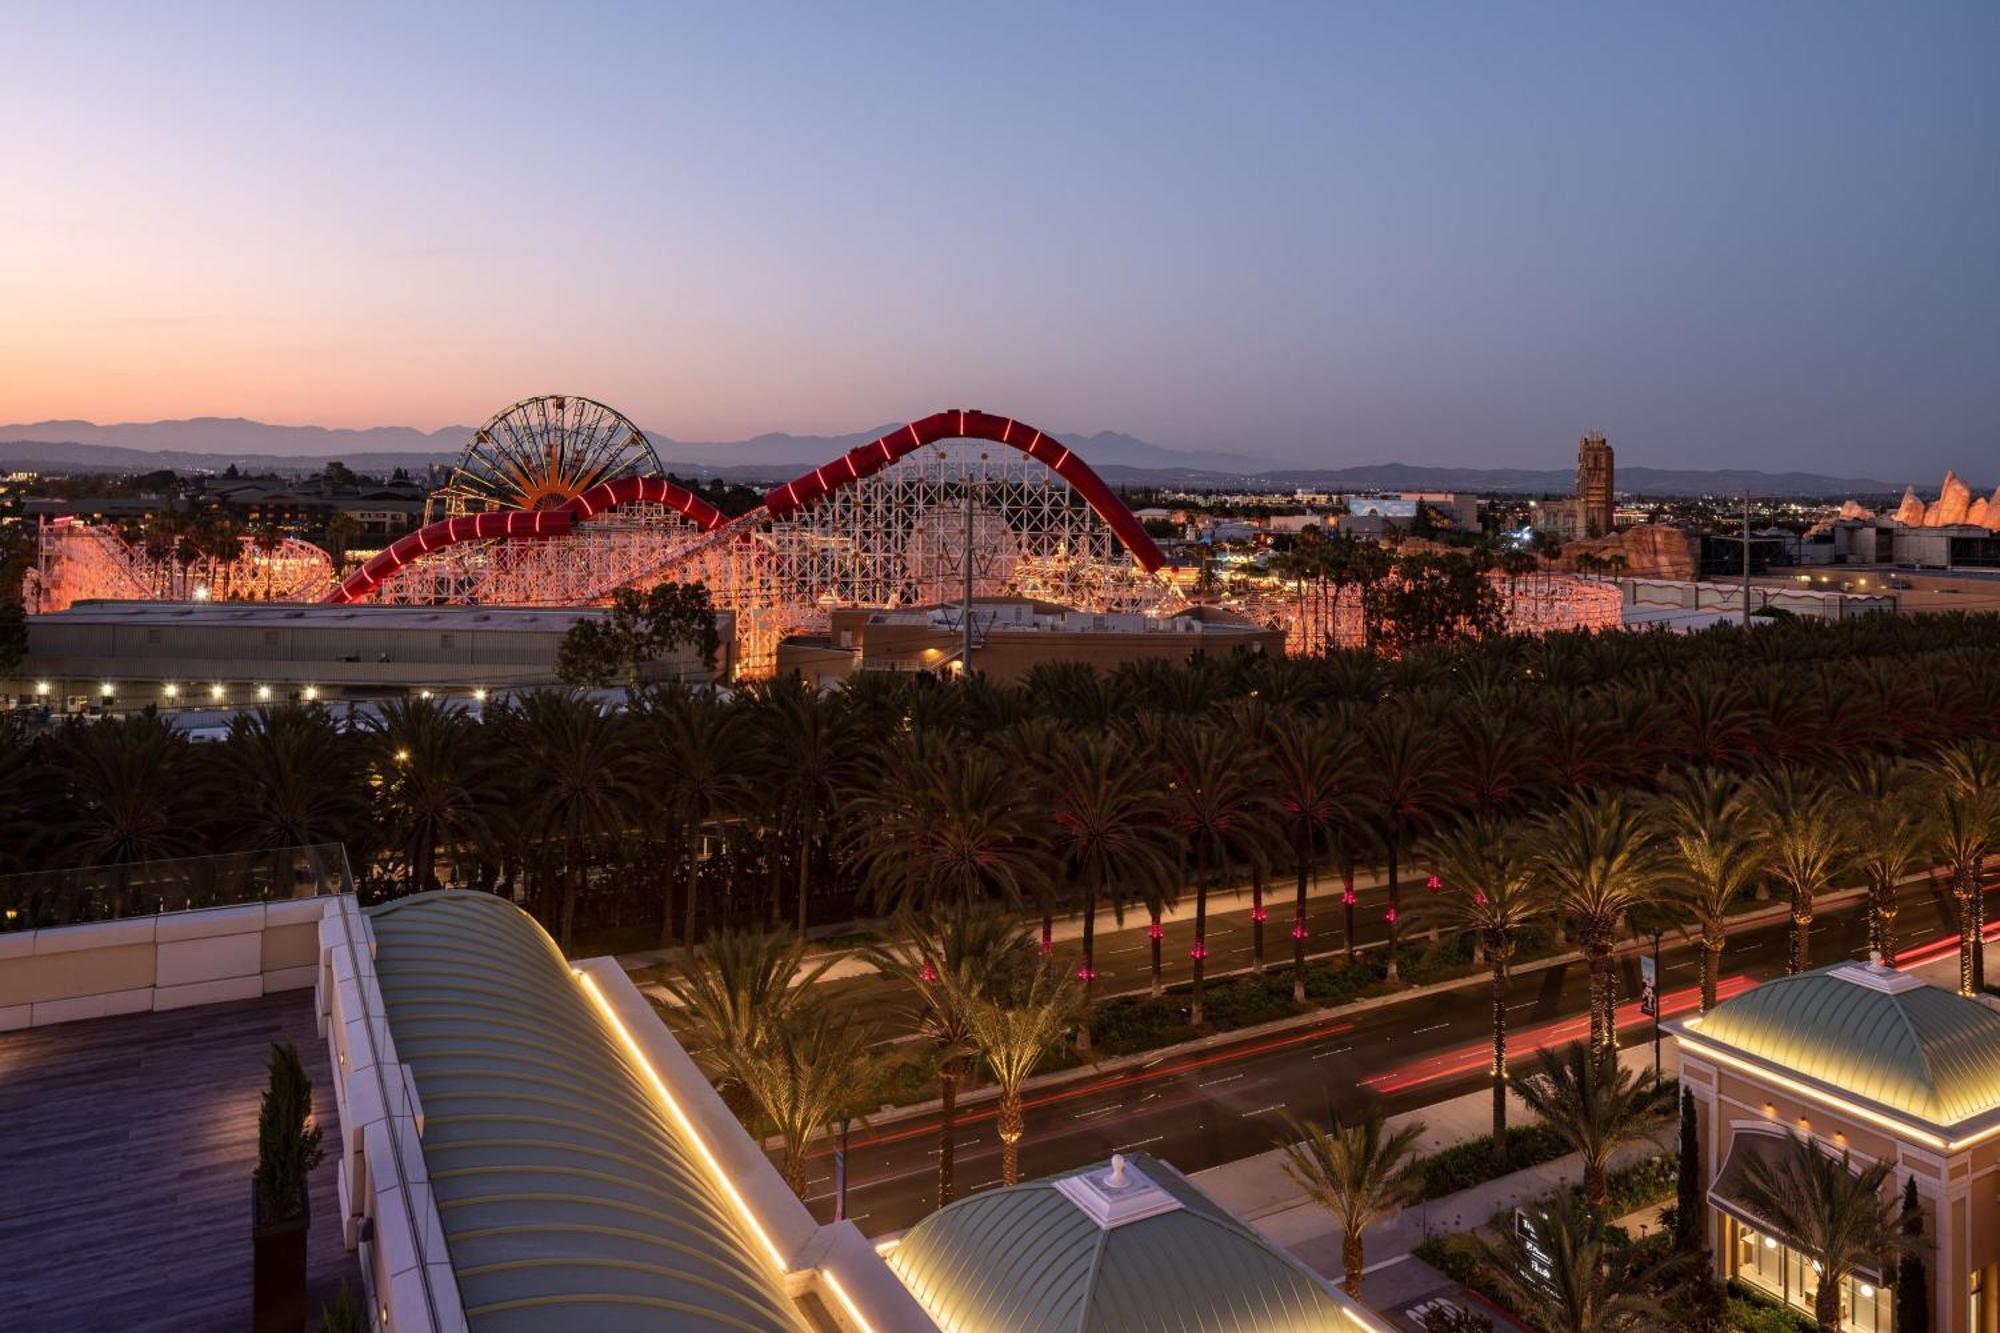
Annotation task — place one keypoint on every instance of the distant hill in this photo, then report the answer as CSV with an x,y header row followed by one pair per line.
x,y
214,443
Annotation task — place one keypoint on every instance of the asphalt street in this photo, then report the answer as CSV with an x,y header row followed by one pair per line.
x,y
1227,1102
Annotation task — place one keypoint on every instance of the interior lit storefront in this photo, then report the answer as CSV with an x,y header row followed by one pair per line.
x,y
1768,1264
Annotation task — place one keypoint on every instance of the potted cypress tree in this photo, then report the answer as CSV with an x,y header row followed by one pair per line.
x,y
288,1148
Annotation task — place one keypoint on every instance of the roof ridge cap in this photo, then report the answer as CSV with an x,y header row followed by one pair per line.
x,y
1936,1111
1090,1281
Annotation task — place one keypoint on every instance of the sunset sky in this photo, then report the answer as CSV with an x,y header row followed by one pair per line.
x,y
1760,234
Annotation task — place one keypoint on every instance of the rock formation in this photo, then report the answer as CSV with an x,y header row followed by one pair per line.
x,y
1956,505
1650,551
1910,513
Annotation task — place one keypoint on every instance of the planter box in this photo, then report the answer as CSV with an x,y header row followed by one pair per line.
x,y
278,1270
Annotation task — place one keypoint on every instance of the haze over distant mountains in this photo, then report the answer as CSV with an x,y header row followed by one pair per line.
x,y
213,443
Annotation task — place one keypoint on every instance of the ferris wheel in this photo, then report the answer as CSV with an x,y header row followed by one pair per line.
x,y
540,453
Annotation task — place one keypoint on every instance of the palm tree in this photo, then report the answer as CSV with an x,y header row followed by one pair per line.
x,y
951,961
1404,763
1014,1034
292,778
1835,1216
741,989
1490,888
1805,829
1315,769
1107,816
1358,1172
1599,859
811,756
1224,810
1565,1277
1891,840
946,824
582,794
1593,1104
436,784
1714,855
699,770
130,791
802,1076
1967,824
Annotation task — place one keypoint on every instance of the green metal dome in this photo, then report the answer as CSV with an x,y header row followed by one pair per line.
x,y
1037,1258
1872,1033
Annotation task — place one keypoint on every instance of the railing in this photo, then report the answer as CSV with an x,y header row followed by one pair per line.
x,y
41,899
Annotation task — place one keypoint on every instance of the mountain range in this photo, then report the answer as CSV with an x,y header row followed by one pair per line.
x,y
214,443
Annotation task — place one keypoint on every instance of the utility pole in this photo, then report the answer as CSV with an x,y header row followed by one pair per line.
x,y
965,652
1746,559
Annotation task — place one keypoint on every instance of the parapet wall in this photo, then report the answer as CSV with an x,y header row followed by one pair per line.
x,y
169,961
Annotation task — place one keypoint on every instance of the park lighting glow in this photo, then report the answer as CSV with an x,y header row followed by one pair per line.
x,y
402,756
480,694
201,592
423,694
171,690
1199,952
263,691
312,691
105,689
42,688
215,691
1299,930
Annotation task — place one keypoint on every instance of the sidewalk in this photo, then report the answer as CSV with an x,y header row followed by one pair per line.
x,y
1259,1190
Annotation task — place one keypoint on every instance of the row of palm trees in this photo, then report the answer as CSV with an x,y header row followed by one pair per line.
x,y
1068,790
1690,854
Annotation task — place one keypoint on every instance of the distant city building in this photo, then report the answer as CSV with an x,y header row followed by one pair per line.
x,y
1594,485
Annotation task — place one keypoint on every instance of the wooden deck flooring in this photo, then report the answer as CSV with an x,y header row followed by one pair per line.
x,y
126,1146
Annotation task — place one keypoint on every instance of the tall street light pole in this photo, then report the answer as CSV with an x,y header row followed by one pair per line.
x,y
1746,559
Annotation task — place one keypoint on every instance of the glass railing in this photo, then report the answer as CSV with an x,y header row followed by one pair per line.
x,y
41,899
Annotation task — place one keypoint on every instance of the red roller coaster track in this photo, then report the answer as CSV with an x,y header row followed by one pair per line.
x,y
796,494
961,424
526,523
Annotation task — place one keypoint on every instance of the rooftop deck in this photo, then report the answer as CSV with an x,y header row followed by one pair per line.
x,y
125,1167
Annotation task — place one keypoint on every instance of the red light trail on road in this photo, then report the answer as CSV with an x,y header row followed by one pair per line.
x,y
1472,1059
1143,1074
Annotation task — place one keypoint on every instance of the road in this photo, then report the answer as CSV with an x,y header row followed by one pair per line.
x,y
1204,1109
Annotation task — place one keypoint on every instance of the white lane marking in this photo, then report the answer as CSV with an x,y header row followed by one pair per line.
x,y
1216,1082
1342,1051
1436,1027
1263,1110
1128,1147
1102,1110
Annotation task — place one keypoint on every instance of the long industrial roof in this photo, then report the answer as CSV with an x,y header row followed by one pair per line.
x,y
569,1200
1871,1033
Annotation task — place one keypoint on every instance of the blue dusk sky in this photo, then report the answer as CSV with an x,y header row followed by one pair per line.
x,y
1762,234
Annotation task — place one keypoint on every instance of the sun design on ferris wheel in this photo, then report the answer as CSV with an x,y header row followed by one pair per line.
x,y
541,453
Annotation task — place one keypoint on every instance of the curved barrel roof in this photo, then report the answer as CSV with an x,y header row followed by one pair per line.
x,y
1873,1033
1030,1260
569,1199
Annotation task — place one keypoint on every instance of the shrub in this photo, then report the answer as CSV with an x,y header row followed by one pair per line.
x,y
1642,1183
343,1313
1751,1311
288,1143
1474,1162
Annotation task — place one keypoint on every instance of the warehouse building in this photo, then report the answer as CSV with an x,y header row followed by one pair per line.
x,y
124,656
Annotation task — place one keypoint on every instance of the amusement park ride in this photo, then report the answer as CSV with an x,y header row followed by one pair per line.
x,y
560,500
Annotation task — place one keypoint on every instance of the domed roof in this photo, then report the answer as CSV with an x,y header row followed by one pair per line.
x,y
1873,1033
1133,1248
